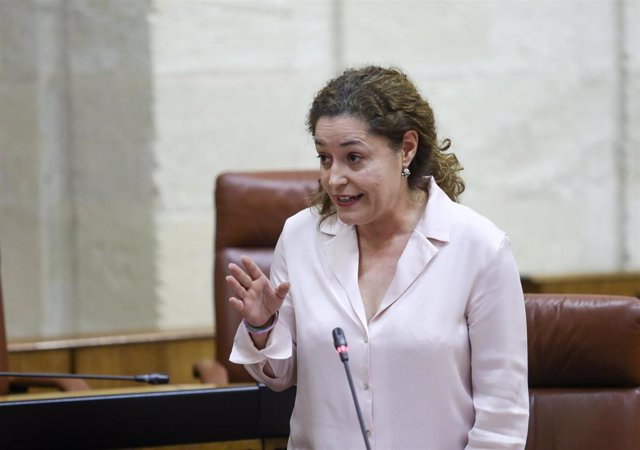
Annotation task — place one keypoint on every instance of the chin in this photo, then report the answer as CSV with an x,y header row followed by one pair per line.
x,y
350,219
344,218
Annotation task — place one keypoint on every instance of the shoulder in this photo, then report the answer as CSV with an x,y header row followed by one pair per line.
x,y
473,226
479,244
297,232
457,224
301,223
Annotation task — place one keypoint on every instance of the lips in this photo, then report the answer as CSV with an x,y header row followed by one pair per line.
x,y
346,200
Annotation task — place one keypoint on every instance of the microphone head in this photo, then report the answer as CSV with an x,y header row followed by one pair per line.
x,y
152,378
158,378
340,342
339,339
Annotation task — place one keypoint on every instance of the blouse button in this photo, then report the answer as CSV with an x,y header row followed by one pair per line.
x,y
366,340
366,387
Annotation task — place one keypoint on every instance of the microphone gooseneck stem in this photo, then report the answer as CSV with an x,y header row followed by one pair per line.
x,y
152,378
355,401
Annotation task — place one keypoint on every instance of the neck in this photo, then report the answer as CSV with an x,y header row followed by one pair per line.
x,y
400,222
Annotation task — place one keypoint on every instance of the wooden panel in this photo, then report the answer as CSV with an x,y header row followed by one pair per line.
x,y
611,284
173,358
58,361
171,353
117,339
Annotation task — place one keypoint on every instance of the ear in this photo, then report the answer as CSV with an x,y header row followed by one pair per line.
x,y
409,147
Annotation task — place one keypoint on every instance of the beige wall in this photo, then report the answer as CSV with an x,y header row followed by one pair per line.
x,y
115,117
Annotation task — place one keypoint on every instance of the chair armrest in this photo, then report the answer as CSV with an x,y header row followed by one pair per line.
x,y
210,372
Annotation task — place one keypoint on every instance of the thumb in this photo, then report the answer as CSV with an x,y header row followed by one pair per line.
x,y
282,290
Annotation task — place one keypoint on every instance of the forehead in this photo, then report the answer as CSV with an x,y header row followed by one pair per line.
x,y
340,126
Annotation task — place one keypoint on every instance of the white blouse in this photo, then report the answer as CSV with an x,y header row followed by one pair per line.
x,y
443,363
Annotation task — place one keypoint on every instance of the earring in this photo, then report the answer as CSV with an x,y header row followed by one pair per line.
x,y
405,172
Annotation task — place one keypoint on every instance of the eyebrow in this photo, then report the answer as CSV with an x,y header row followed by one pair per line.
x,y
342,144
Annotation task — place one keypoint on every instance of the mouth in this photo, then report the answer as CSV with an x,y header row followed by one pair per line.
x,y
346,200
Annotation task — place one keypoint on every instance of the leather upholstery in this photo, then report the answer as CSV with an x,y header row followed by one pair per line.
x,y
251,209
584,351
584,371
578,340
584,418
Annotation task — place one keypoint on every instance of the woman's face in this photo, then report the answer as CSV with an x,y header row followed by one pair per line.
x,y
359,171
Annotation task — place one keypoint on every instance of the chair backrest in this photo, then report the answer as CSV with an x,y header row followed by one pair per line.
x,y
251,209
584,371
584,351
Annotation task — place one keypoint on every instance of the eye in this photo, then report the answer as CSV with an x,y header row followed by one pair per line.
x,y
324,160
354,157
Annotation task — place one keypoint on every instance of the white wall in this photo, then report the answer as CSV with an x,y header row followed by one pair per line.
x,y
233,82
630,128
115,118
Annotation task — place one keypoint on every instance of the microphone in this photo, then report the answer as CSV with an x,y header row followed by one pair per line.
x,y
340,343
149,378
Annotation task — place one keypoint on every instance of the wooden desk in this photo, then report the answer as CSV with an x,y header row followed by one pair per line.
x,y
143,417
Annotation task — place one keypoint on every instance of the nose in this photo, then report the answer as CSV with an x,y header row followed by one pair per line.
x,y
337,176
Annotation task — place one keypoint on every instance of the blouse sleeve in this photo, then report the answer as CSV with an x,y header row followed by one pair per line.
x,y
280,351
498,337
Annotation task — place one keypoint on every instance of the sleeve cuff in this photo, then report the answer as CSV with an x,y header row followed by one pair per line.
x,y
279,346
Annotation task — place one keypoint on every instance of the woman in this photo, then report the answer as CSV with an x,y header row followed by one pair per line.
x,y
427,291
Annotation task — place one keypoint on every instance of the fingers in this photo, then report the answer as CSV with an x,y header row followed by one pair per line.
x,y
249,274
240,275
282,290
238,289
251,267
237,304
253,294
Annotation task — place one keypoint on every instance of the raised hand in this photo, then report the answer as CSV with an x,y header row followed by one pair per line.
x,y
255,297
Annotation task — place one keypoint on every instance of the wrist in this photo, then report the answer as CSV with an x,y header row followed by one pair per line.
x,y
265,328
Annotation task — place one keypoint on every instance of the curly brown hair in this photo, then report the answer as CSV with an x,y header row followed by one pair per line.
x,y
390,104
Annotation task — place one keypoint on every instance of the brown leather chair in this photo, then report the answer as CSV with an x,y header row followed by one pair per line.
x,y
251,209
14,384
584,372
584,351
